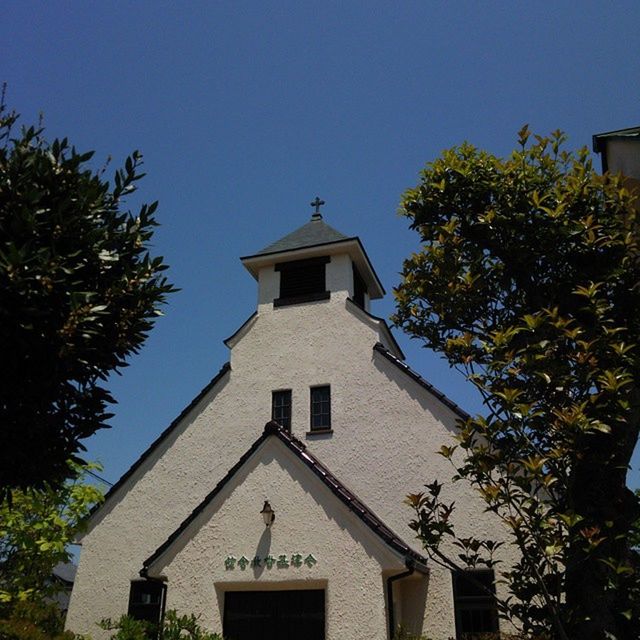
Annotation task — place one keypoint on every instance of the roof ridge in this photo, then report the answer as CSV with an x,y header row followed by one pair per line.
x,y
149,450
296,446
315,231
403,366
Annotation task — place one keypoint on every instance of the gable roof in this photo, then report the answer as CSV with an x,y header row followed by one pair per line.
x,y
457,409
349,499
156,443
315,232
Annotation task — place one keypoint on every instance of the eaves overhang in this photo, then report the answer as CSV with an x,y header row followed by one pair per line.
x,y
351,246
347,497
242,330
382,324
599,138
600,142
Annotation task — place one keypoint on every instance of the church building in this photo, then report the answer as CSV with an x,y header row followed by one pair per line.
x,y
272,506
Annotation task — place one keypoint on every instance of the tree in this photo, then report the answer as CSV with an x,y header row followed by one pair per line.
x,y
634,538
79,293
527,282
35,621
36,530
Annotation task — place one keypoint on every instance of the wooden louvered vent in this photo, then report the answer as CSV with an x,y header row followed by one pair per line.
x,y
302,281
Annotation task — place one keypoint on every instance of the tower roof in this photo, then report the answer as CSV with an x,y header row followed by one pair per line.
x,y
316,238
315,232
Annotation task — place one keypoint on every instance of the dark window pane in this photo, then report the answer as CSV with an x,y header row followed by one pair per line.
x,y
274,615
474,583
145,601
320,408
297,282
475,603
281,408
359,288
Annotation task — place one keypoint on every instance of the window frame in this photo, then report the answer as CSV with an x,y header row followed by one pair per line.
x,y
283,393
480,601
313,270
325,427
151,612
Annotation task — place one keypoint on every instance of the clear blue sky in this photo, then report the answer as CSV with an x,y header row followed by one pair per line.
x,y
245,111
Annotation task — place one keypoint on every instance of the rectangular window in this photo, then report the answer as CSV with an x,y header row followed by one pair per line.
x,y
359,287
475,603
281,408
320,408
302,281
145,602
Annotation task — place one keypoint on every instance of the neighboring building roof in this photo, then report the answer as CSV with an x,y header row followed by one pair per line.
x,y
299,449
315,232
225,368
459,411
631,132
65,572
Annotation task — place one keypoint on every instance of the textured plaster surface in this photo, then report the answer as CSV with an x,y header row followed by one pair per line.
x,y
386,430
308,521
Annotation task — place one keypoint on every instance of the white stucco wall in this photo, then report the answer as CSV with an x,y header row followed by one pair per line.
x,y
386,429
309,520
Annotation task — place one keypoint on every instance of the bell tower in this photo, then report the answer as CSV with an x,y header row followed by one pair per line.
x,y
312,264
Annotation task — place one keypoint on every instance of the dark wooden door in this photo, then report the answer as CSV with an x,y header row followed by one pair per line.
x,y
274,615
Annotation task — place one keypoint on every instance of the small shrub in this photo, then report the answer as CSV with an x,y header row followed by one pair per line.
x,y
176,627
126,628
185,627
402,634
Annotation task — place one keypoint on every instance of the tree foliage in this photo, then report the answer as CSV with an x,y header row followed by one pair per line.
x,y
36,530
29,620
634,538
79,293
528,282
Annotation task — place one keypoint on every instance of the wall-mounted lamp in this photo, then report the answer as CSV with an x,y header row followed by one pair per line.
x,y
268,514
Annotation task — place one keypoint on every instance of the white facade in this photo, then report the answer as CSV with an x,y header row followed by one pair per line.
x,y
386,425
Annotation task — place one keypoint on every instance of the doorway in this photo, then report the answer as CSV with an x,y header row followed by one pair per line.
x,y
274,615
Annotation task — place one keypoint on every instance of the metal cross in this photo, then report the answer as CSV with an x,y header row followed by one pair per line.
x,y
317,203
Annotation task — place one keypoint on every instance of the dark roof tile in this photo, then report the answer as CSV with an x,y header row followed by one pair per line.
x,y
315,232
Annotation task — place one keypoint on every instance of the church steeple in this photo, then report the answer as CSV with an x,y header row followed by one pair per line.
x,y
314,233
312,263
